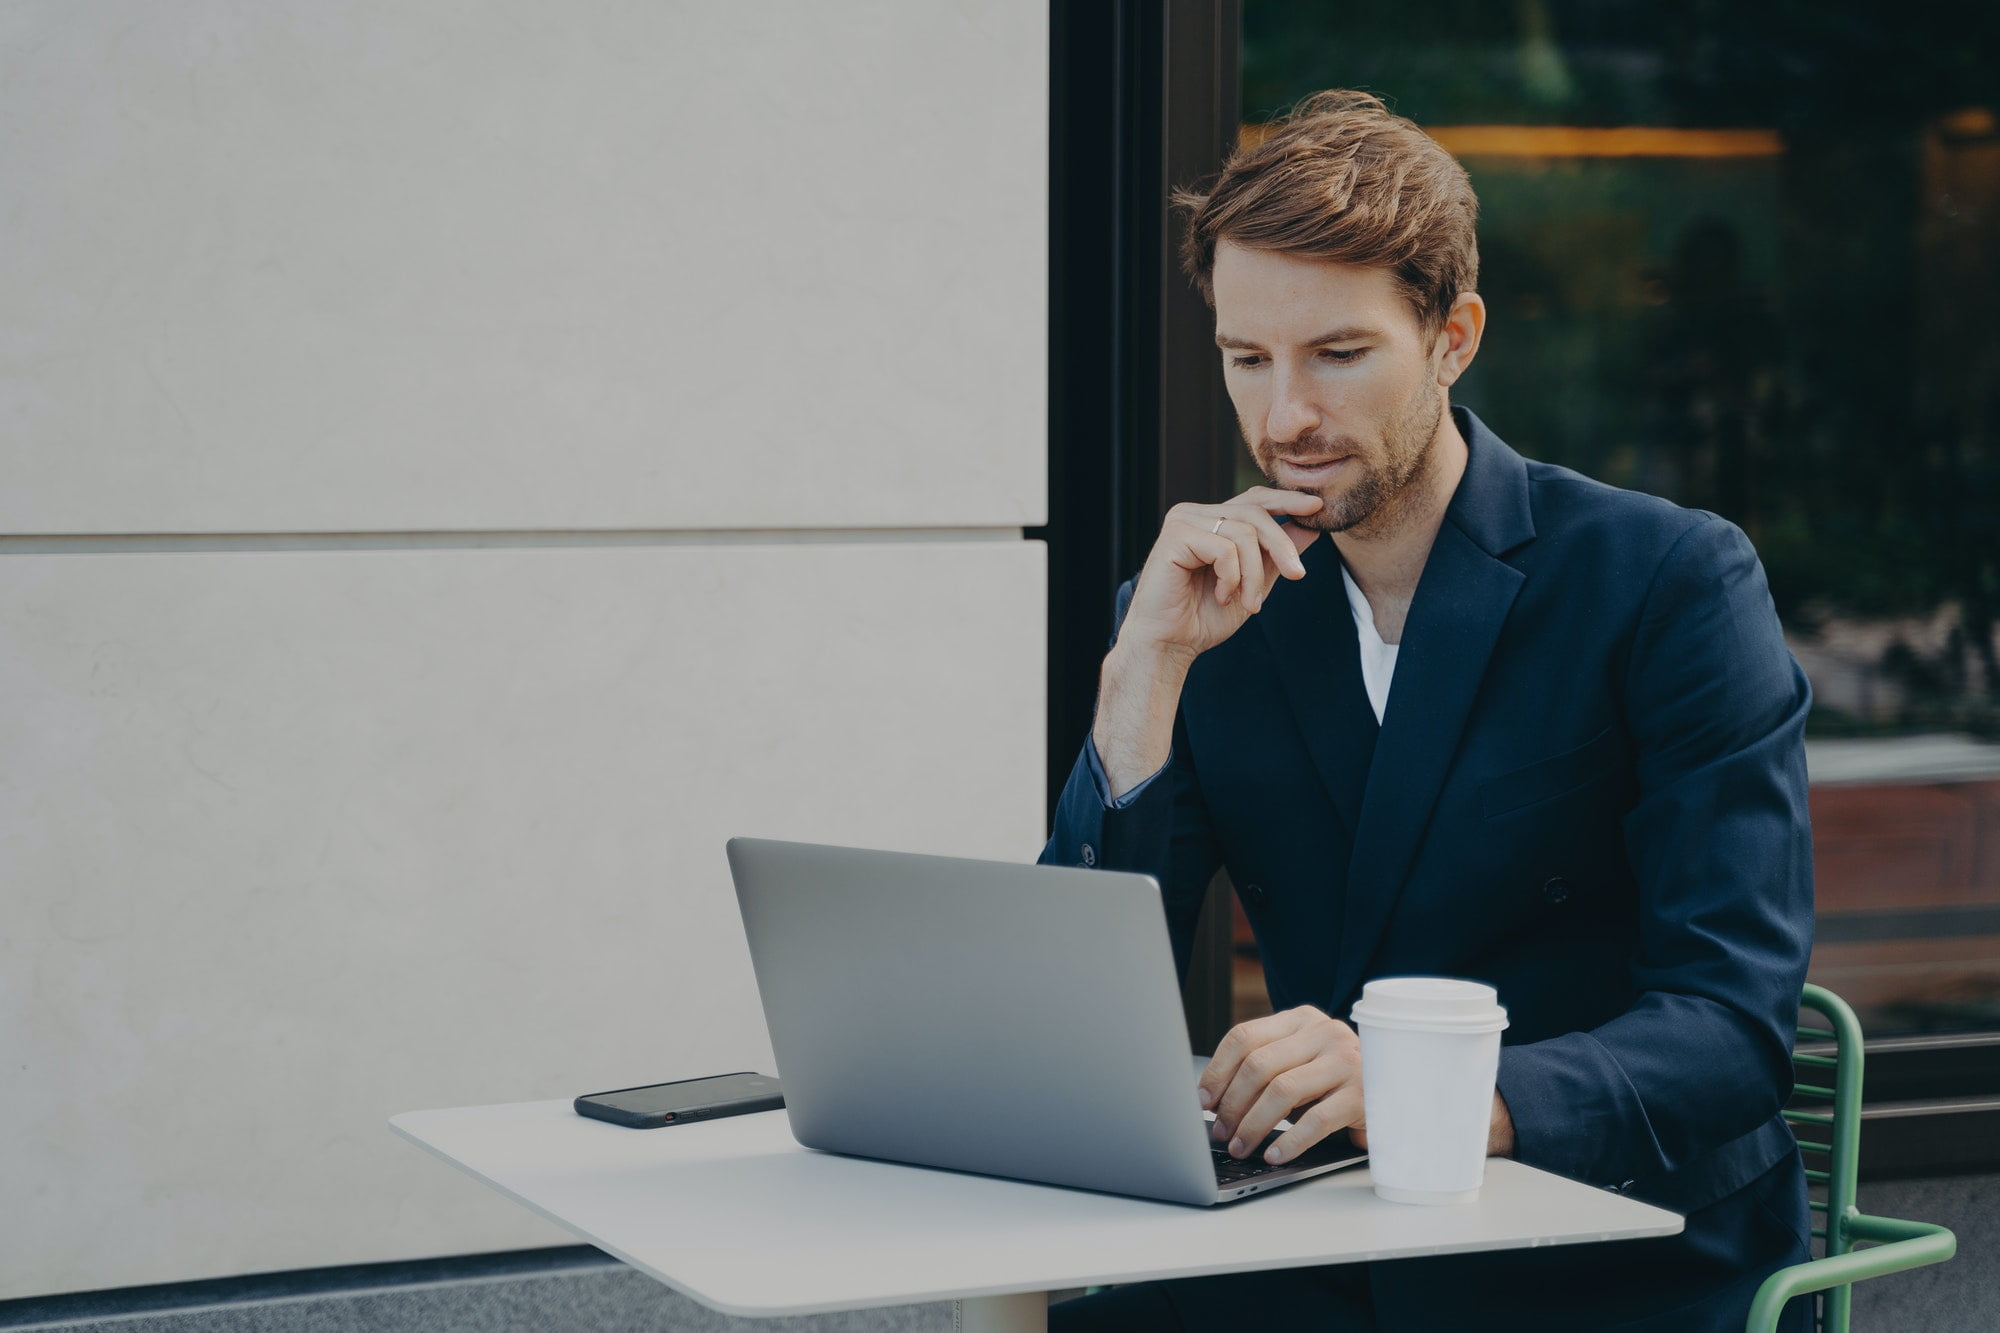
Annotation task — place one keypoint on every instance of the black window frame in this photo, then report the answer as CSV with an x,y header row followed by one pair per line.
x,y
1143,97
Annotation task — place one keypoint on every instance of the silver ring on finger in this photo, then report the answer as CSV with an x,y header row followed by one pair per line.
x,y
1217,528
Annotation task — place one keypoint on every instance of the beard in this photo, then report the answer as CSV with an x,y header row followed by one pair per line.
x,y
1386,480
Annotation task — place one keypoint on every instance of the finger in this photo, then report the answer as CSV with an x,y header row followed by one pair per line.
x,y
1250,554
1202,549
1276,537
1339,1109
1274,1079
1236,1043
1297,1092
1277,501
1221,1067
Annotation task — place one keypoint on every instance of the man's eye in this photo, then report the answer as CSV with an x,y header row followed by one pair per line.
x,y
1339,356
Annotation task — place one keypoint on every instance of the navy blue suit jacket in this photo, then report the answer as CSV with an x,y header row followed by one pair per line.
x,y
1588,789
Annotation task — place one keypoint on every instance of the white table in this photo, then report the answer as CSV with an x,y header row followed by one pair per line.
x,y
736,1215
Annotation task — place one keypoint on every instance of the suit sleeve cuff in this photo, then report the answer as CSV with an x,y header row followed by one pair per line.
x,y
1574,1111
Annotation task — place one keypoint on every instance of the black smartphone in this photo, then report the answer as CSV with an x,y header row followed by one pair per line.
x,y
659,1104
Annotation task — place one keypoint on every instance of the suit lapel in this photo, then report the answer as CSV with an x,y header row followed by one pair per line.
x,y
1456,617
1310,628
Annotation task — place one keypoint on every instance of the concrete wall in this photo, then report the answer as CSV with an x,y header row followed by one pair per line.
x,y
459,462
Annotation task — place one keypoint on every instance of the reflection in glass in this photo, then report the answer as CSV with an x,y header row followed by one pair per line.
x,y
1750,263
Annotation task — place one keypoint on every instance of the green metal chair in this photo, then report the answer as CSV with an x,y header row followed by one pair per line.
x,y
1834,1135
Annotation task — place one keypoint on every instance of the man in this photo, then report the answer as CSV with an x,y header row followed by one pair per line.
x,y
1493,720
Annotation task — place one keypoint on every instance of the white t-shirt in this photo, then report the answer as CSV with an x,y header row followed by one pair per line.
x,y
1378,659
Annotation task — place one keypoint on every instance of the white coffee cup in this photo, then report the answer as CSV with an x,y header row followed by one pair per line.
x,y
1430,1050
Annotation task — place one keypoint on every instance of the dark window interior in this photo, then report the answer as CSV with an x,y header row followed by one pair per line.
x,y
1748,257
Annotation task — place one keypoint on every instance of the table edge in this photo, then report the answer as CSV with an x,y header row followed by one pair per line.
x,y
1675,1224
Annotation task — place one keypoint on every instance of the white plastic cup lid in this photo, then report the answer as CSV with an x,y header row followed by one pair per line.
x,y
1430,1004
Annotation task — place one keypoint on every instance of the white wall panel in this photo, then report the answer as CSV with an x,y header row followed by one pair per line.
x,y
295,840
402,265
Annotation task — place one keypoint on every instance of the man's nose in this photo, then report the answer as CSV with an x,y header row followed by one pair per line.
x,y
1292,411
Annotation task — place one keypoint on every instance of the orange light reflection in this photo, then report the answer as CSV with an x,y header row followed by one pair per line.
x,y
1582,141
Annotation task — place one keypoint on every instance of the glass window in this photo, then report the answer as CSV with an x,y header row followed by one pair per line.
x,y
1748,258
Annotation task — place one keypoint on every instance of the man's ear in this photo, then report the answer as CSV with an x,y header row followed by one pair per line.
x,y
1458,341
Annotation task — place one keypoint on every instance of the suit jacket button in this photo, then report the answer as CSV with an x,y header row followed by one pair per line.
x,y
1089,855
1253,894
1556,890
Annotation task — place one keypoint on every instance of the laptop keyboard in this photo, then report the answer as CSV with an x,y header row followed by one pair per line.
x,y
1230,1171
1334,1147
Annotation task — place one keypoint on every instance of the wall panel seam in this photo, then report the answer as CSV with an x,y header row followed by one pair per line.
x,y
508,539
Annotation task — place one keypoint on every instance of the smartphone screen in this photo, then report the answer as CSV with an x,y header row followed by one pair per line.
x,y
690,1099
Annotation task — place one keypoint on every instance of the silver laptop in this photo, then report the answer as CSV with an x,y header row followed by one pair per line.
x,y
1012,1020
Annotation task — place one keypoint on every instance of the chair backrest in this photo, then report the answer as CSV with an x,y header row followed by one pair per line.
x,y
1825,1115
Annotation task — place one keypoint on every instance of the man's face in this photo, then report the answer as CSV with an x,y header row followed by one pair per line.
x,y
1335,385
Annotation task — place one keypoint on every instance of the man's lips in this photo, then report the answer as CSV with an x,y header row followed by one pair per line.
x,y
1309,471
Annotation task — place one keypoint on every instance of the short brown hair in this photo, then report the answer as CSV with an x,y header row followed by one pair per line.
x,y
1342,178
